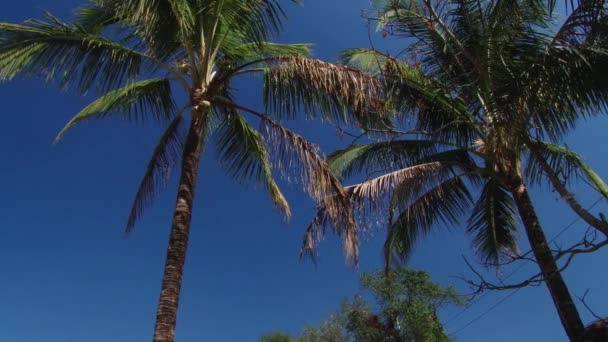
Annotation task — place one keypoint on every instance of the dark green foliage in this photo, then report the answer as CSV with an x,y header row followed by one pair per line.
x,y
404,309
480,98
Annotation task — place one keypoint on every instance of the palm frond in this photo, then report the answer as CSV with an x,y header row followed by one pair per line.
x,y
159,21
143,100
67,53
96,16
415,211
292,84
293,155
244,155
166,154
256,20
565,163
366,59
382,156
437,110
493,223
580,24
240,52
373,197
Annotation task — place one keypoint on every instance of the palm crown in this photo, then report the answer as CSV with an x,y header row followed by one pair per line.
x,y
135,52
482,97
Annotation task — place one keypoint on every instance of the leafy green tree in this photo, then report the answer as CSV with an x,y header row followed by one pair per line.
x,y
482,97
139,53
276,337
404,310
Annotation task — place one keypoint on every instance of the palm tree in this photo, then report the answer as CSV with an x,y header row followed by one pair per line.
x,y
135,52
483,95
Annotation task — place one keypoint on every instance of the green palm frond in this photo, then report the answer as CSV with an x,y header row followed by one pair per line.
x,y
387,156
409,91
493,223
159,21
294,155
366,59
414,213
258,20
139,101
243,154
580,24
565,163
437,110
166,154
95,17
67,53
248,53
295,83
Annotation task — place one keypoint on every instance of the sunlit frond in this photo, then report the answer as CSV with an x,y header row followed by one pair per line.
x,y
246,53
373,198
139,101
166,154
67,53
298,160
244,155
366,59
295,83
416,211
493,223
565,163
378,157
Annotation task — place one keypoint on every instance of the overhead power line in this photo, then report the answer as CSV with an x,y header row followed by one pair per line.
x,y
505,298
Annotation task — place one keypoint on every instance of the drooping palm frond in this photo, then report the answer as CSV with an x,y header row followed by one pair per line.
x,y
137,101
292,84
293,155
414,212
565,163
374,197
165,156
373,201
67,53
493,223
244,155
440,50
379,157
580,24
409,91
560,75
558,166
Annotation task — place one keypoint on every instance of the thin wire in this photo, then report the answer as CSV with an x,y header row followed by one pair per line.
x,y
480,316
502,300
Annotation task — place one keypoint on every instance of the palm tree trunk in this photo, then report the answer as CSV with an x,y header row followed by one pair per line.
x,y
562,299
166,316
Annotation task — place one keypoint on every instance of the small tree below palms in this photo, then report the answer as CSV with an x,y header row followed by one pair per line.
x,y
404,310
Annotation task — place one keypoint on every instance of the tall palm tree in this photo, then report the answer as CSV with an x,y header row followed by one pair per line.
x,y
135,52
483,95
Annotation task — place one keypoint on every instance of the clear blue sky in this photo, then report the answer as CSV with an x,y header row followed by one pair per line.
x,y
69,275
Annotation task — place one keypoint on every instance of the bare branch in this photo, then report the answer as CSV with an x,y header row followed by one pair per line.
x,y
582,299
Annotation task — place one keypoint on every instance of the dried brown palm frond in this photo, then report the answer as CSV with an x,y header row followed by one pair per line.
x,y
294,155
294,83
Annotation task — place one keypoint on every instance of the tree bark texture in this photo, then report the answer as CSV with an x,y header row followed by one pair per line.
x,y
560,294
166,316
